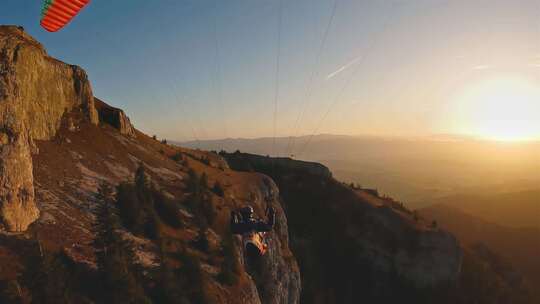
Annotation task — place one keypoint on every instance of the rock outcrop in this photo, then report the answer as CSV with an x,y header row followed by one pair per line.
x,y
35,93
423,256
114,117
17,208
249,162
278,277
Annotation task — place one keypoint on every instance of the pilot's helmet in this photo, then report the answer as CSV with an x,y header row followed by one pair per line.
x,y
247,212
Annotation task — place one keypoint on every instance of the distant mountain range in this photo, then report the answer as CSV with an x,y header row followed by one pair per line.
x,y
416,170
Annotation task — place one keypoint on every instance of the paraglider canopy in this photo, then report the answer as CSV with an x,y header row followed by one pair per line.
x,y
55,14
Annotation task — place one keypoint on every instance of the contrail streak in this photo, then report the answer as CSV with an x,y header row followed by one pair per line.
x,y
343,68
482,67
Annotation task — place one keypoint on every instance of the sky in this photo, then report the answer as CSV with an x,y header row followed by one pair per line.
x,y
206,69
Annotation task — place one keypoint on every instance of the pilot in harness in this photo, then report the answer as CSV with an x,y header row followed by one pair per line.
x,y
253,230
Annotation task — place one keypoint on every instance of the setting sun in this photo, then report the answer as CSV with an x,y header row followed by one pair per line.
x,y
502,108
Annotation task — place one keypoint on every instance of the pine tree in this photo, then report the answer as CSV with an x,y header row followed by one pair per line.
x,y
105,228
141,180
115,257
136,203
218,189
201,242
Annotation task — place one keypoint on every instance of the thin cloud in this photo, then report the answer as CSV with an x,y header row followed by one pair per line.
x,y
343,68
482,67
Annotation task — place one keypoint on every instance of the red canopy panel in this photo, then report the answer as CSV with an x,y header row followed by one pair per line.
x,y
57,13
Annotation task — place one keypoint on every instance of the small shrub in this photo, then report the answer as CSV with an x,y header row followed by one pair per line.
x,y
193,183
201,242
205,160
141,179
207,210
167,210
177,157
218,189
204,181
373,192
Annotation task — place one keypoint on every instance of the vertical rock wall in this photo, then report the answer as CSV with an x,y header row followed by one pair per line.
x,y
276,275
35,92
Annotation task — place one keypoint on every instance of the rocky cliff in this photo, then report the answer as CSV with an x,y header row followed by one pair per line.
x,y
355,246
35,93
250,162
354,233
59,145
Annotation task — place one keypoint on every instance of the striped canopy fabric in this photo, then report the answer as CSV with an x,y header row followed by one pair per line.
x,y
55,14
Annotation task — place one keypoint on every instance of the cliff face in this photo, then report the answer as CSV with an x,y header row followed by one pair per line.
x,y
250,162
35,92
351,243
355,246
277,276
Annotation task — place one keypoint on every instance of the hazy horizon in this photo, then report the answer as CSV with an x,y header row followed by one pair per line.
x,y
434,136
416,170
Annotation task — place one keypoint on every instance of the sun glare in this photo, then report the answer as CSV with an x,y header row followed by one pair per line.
x,y
504,109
